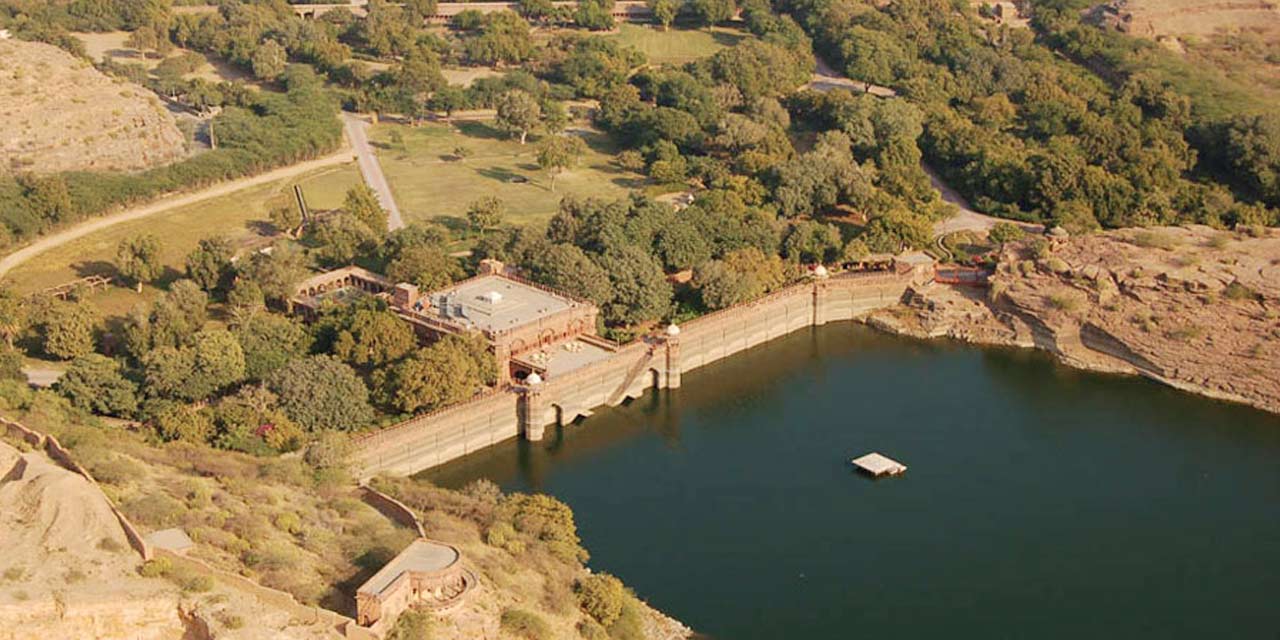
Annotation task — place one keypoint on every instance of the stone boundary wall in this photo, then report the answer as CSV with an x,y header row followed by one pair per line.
x,y
392,508
298,612
60,455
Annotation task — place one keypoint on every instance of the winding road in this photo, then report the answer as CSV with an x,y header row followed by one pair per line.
x,y
357,135
9,262
357,140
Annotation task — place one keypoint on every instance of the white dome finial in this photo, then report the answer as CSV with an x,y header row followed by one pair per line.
x,y
533,378
820,271
673,330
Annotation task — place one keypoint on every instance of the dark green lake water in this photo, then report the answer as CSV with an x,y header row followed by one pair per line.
x,y
1040,502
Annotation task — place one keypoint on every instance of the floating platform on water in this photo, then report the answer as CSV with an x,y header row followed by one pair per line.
x,y
878,465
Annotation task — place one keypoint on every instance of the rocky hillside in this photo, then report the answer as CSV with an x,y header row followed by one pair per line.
x,y
58,113
1195,308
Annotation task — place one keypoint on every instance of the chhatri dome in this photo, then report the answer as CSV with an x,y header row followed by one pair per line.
x,y
673,330
533,378
820,271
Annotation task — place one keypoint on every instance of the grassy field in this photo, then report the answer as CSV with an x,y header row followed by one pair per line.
x,y
430,183
677,46
241,216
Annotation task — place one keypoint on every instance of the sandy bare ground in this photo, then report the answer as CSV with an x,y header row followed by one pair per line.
x,y
159,206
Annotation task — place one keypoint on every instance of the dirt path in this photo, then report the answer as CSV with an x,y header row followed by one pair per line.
x,y
9,262
370,169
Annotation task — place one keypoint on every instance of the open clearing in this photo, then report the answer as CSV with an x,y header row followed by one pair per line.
x,y
110,46
430,182
676,46
241,216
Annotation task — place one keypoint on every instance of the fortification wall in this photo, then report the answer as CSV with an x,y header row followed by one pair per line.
x,y
434,439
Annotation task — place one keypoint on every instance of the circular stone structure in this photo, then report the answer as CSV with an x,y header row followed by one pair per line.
x,y
427,573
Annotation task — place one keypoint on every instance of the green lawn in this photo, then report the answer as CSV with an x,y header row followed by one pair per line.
x,y
677,46
430,183
240,216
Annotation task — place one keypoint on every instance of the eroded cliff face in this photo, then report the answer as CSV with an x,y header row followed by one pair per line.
x,y
1193,307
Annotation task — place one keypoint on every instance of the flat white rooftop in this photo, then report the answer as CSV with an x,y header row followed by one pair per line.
x,y
421,556
559,359
495,303
878,465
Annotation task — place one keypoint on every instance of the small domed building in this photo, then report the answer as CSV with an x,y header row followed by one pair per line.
x,y
427,574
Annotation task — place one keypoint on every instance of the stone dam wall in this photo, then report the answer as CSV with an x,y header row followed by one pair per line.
x,y
654,362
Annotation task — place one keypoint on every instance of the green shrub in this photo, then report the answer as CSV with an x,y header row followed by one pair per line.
x,y
156,510
412,625
14,574
110,545
525,625
156,568
1237,291
601,597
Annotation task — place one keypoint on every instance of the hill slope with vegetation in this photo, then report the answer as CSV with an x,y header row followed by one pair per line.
x,y
59,114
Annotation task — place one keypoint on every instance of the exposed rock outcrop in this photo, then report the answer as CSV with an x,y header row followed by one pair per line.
x,y
1192,307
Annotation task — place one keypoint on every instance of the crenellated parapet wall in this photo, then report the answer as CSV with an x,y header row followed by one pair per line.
x,y
652,362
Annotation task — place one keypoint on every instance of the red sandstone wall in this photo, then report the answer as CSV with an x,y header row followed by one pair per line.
x,y
434,439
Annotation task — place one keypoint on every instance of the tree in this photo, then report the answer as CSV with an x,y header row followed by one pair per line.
x,y
448,99
811,242
710,12
518,113
362,203
640,289
720,286
13,315
664,11
595,15
251,421
138,258
321,393
67,329
568,268
213,362
209,264
485,213
269,341
276,273
426,266
287,220
340,239
434,377
1005,232
269,61
682,245
559,153
873,57
95,383
175,421
173,320
375,337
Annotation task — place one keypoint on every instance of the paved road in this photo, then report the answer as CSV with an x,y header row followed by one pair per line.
x,y
87,227
825,78
370,169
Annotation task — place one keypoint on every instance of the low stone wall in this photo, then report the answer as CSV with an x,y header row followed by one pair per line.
x,y
652,362
59,454
392,508
298,612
